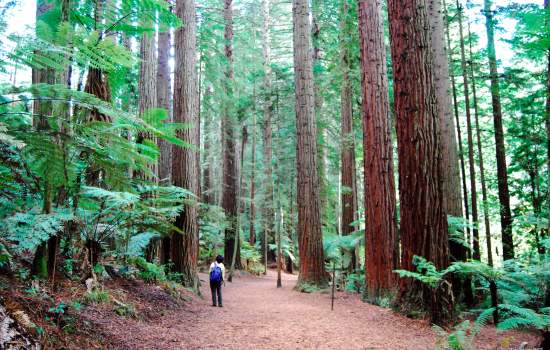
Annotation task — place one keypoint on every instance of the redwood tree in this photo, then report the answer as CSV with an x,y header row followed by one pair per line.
x,y
423,217
451,178
471,162
310,240
450,156
502,173
268,211
492,284
164,101
42,263
457,250
380,219
185,170
347,143
252,227
229,190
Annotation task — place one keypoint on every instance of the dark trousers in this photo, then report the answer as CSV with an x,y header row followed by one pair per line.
x,y
216,288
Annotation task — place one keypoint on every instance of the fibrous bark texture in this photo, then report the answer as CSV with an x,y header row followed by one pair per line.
x,y
380,215
451,171
147,88
185,170
347,143
164,101
423,217
229,190
312,269
164,92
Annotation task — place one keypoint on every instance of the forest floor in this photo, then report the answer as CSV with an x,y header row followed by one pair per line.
x,y
257,315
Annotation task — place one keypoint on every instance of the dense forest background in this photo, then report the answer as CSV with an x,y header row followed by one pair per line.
x,y
399,149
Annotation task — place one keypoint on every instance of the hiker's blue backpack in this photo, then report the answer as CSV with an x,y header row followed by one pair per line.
x,y
216,274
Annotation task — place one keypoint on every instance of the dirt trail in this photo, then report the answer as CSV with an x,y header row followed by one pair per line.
x,y
257,315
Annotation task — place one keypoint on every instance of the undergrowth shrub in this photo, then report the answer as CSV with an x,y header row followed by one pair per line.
x,y
149,272
96,296
522,288
252,257
355,282
125,310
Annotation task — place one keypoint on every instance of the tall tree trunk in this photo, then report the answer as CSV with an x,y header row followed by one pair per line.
x,y
451,179
97,82
502,173
492,284
473,187
164,101
229,191
322,151
207,188
423,217
347,143
312,268
240,206
185,171
487,224
458,251
268,211
380,216
252,228
147,91
42,109
147,85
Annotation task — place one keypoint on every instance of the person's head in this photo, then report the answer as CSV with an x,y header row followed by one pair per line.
x,y
219,259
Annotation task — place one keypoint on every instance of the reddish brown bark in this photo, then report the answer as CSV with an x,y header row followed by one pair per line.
x,y
347,143
423,218
185,170
502,172
96,82
322,149
451,179
229,191
164,101
42,109
147,90
380,216
312,268
207,187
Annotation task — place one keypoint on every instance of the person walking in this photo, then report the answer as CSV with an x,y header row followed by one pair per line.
x,y
217,278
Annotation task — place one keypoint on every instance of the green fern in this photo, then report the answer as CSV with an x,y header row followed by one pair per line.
x,y
29,229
